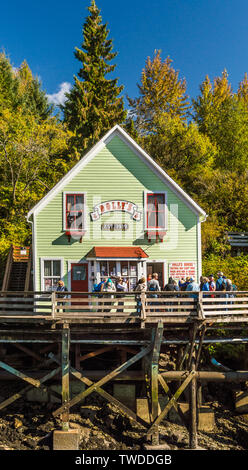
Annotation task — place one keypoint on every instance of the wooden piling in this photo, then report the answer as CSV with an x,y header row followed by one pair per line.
x,y
193,409
154,379
65,364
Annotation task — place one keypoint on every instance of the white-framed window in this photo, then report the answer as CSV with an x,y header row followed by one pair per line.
x,y
74,211
126,269
155,210
51,273
129,271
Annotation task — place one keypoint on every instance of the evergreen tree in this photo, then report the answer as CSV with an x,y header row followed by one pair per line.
x,y
93,105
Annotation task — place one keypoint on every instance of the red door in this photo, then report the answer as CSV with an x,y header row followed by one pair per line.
x,y
79,277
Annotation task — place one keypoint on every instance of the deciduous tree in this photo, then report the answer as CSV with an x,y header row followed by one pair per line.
x,y
161,93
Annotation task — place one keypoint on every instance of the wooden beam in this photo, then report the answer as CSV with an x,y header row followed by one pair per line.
x,y
20,375
95,353
193,409
200,310
207,376
154,369
202,334
104,380
18,395
192,344
28,272
7,269
175,405
65,367
78,375
173,399
28,351
143,309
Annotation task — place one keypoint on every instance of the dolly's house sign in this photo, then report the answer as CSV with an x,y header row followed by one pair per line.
x,y
113,206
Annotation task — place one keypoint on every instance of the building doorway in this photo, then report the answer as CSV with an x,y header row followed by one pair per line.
x,y
156,267
79,277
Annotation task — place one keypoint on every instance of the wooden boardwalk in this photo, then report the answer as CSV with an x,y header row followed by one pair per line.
x,y
60,334
129,308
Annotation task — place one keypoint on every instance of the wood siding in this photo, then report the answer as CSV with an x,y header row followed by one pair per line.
x,y
116,172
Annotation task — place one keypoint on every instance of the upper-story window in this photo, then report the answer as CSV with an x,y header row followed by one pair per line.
x,y
74,211
156,210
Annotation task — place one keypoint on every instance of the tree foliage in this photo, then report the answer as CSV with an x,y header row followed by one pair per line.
x,y
19,89
33,150
161,93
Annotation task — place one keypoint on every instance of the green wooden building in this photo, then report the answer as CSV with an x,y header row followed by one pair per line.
x,y
115,213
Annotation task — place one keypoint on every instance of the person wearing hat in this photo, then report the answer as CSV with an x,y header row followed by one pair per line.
x,y
184,283
211,282
221,280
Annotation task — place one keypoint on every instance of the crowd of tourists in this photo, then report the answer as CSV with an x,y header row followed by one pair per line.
x,y
207,284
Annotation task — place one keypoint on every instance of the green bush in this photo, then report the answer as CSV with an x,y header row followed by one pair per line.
x,y
233,267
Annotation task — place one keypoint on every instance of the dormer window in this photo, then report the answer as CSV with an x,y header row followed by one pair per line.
x,y
74,214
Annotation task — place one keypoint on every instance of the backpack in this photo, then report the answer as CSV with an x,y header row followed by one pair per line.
x,y
170,287
97,287
152,288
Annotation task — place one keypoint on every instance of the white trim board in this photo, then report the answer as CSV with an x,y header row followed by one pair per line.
x,y
118,131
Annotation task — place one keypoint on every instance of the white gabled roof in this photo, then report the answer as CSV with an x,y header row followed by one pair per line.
x,y
118,131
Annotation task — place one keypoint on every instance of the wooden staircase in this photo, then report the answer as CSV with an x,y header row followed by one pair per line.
x,y
17,274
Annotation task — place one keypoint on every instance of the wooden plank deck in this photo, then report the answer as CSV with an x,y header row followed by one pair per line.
x,y
130,308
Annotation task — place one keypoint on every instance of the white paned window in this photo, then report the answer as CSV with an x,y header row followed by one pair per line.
x,y
51,270
127,270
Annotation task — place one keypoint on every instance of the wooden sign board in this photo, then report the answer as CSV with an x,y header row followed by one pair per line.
x,y
181,270
114,227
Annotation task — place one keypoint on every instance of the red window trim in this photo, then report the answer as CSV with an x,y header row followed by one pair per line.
x,y
164,202
67,228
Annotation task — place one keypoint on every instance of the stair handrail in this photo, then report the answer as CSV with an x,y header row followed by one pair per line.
x,y
28,271
8,266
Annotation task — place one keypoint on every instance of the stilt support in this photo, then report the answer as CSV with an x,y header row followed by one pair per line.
x,y
65,365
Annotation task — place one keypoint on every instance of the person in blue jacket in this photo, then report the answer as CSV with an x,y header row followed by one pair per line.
x,y
205,284
193,286
221,280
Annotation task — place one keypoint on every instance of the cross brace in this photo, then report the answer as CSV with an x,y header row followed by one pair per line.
x,y
171,403
95,386
34,383
78,375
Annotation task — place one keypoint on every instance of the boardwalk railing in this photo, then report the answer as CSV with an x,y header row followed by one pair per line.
x,y
131,307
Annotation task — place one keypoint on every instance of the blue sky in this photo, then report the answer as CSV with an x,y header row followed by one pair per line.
x,y
200,36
